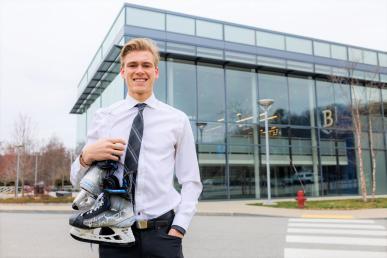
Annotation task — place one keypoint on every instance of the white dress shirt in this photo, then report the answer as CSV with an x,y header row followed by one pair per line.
x,y
167,147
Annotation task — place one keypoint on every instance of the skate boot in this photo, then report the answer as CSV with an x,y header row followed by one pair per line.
x,y
110,211
113,210
91,184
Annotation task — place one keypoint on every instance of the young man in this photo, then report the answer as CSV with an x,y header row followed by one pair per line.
x,y
155,141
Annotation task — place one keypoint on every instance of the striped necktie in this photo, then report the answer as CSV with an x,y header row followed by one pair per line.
x,y
133,148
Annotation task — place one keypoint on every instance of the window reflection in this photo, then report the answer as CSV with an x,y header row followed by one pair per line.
x,y
212,163
180,24
242,134
326,110
210,132
181,83
241,96
210,85
343,106
161,83
270,86
301,96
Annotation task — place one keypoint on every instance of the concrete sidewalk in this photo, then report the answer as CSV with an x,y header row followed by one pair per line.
x,y
226,208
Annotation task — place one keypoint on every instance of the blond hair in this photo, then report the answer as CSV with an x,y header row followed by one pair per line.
x,y
140,44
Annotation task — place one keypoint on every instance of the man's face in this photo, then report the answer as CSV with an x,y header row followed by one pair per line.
x,y
139,72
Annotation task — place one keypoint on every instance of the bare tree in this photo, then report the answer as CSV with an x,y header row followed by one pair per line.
x,y
55,162
23,136
361,111
374,109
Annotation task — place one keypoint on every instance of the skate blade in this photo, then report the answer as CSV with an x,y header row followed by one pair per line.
x,y
88,236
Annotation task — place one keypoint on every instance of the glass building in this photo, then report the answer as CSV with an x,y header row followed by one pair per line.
x,y
216,71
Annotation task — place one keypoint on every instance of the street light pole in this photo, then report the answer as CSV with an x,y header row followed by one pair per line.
x,y
17,170
265,105
201,126
36,169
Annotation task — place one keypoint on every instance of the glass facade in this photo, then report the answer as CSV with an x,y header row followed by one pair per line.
x,y
311,123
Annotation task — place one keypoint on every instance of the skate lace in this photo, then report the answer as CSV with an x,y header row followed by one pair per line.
x,y
98,204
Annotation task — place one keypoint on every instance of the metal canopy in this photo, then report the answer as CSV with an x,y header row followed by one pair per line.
x,y
104,75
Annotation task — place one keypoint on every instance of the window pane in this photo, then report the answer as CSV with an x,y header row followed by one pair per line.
x,y
239,35
384,96
160,88
383,59
242,134
358,74
91,111
180,48
305,156
212,164
381,175
270,40
300,66
269,87
181,83
375,109
301,95
239,57
209,29
81,130
339,71
113,92
242,176
241,96
211,105
321,49
180,24
338,52
153,20
299,45
355,55
325,104
343,106
272,62
209,52
211,132
370,57
323,69
359,103
278,136
119,23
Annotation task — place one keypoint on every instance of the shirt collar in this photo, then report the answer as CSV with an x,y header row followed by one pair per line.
x,y
151,101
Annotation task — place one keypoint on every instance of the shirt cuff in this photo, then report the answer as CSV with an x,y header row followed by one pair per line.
x,y
178,228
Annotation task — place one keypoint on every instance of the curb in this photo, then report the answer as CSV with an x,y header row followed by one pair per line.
x,y
225,214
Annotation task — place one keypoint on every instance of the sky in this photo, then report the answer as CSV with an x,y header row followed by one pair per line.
x,y
46,45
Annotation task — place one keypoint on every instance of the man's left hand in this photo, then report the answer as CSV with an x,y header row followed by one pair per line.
x,y
174,232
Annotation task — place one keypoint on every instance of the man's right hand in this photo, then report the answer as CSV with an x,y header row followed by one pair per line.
x,y
104,149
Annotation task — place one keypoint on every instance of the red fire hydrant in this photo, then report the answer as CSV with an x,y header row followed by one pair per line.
x,y
301,199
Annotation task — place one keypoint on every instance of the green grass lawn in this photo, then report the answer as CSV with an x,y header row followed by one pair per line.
x,y
349,204
38,199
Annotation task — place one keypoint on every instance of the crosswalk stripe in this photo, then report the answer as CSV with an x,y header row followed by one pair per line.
x,y
359,221
327,216
338,231
320,253
332,225
337,240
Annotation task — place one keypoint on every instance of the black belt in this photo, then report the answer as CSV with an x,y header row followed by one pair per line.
x,y
161,221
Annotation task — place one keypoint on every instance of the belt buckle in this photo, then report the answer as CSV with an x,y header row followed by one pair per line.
x,y
142,224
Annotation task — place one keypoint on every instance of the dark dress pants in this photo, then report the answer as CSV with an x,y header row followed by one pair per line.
x,y
150,243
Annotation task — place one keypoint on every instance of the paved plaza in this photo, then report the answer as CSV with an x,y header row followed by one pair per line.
x,y
226,229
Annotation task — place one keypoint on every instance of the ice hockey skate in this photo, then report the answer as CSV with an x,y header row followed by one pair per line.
x,y
91,184
111,211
